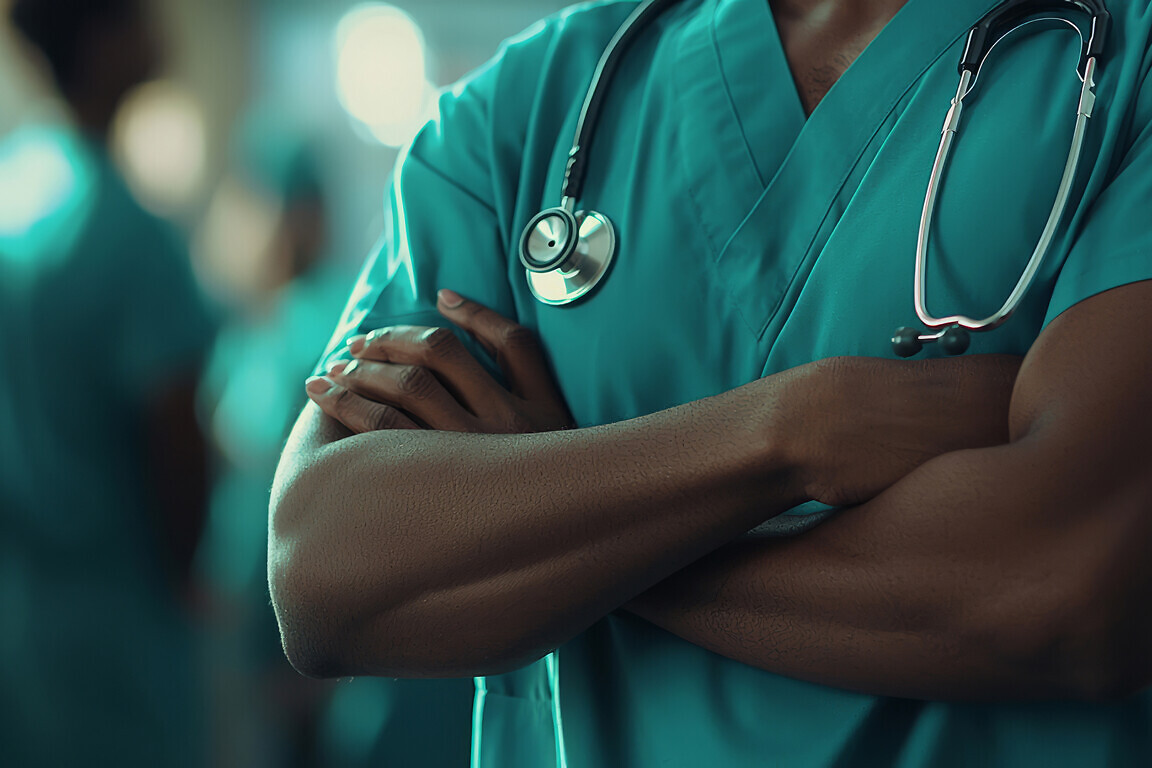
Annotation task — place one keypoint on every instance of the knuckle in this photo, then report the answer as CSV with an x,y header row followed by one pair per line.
x,y
518,337
414,382
518,423
377,341
382,417
341,400
440,342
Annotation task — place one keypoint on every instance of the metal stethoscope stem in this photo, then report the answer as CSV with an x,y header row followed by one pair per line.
x,y
952,331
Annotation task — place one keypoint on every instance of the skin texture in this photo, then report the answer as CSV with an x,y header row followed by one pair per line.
x,y
530,538
1014,570
821,39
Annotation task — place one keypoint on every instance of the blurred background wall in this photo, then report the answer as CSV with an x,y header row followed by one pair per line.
x,y
279,55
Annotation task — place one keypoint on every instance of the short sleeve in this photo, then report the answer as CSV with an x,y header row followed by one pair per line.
x,y
1114,245
165,323
443,227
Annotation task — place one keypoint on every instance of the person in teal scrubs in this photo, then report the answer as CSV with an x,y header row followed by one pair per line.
x,y
981,597
103,477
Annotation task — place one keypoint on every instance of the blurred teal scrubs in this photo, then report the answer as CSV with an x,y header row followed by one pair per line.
x,y
98,311
753,240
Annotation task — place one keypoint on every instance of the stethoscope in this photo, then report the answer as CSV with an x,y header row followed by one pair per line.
x,y
566,253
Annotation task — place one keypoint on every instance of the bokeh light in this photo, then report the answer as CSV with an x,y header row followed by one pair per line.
x,y
160,141
381,72
35,178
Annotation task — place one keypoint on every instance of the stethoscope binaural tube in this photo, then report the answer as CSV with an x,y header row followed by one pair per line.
x,y
953,332
565,252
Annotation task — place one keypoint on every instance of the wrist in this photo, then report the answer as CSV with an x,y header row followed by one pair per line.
x,y
773,436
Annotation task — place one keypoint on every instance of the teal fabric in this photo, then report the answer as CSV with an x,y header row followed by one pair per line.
x,y
98,308
385,723
753,240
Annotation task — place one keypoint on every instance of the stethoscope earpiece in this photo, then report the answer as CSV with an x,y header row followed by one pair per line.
x,y
906,342
955,337
954,340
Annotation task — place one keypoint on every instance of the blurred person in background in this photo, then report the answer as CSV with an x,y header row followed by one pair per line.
x,y
287,292
103,475
264,246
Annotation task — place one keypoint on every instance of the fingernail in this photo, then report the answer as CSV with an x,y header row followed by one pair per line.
x,y
338,368
450,299
350,367
318,385
356,343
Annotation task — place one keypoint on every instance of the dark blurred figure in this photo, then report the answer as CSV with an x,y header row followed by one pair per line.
x,y
102,474
285,293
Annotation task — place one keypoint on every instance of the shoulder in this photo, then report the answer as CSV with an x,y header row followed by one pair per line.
x,y
552,59
581,30
502,124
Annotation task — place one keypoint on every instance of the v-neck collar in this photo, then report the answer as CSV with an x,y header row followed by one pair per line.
x,y
746,35
743,98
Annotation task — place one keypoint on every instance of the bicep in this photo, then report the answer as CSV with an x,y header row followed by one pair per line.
x,y
1083,395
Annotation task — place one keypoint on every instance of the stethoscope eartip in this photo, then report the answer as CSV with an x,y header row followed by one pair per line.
x,y
955,340
906,342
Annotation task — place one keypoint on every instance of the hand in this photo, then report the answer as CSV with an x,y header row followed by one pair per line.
x,y
416,377
861,424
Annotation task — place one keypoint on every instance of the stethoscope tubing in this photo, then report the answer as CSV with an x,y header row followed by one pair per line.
x,y
562,264
1063,193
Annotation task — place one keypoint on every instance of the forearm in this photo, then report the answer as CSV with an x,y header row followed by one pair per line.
x,y
976,577
464,555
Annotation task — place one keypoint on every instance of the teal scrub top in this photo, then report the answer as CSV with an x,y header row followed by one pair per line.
x,y
98,308
753,240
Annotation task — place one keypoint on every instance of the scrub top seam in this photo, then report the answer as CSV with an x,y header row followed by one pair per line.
x,y
808,259
712,253
715,45
449,180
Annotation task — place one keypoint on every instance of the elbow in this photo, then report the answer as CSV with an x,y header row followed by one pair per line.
x,y
310,631
312,624
329,627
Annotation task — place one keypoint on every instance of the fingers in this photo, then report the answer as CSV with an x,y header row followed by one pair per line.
x,y
413,389
437,350
353,411
516,349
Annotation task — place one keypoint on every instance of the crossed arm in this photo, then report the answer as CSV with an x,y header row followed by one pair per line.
x,y
998,549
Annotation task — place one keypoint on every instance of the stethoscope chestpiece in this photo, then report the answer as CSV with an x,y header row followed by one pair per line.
x,y
954,340
566,254
549,240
